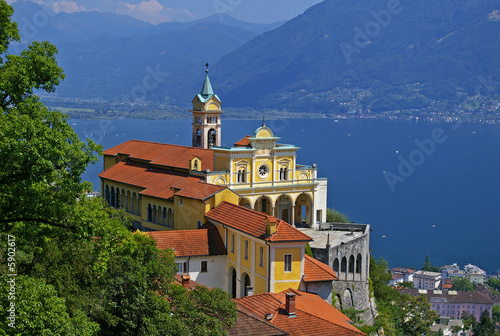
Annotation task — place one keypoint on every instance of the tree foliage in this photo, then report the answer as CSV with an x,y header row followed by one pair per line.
x,y
485,326
494,285
334,216
462,284
80,270
428,266
399,314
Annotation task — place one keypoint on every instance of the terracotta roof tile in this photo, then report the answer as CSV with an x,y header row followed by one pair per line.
x,y
160,154
314,316
188,243
137,174
247,325
315,270
200,190
245,142
254,223
159,182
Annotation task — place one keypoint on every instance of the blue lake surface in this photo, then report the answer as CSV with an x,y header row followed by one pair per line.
x,y
443,201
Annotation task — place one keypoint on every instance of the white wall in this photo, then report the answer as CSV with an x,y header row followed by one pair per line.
x,y
216,270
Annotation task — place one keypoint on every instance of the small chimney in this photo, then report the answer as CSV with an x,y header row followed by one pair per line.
x,y
290,304
185,278
271,223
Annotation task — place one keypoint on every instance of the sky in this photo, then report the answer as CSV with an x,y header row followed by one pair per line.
x,y
157,11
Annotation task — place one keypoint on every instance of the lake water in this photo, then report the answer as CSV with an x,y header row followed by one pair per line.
x,y
425,188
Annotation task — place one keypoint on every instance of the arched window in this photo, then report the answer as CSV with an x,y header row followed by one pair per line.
x,y
336,266
164,216
113,197
358,263
150,213
198,138
283,174
343,265
241,176
195,164
106,194
351,264
212,138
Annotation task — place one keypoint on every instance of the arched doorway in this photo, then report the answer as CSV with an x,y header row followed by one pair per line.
x,y
303,209
284,205
264,204
245,283
232,282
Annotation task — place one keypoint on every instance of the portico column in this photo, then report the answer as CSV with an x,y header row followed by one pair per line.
x,y
292,216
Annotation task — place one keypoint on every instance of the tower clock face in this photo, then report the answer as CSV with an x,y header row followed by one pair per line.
x,y
263,171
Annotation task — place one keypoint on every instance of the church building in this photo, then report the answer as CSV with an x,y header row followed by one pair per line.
x,y
237,206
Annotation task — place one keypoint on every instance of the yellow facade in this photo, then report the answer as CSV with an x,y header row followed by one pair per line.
x,y
267,177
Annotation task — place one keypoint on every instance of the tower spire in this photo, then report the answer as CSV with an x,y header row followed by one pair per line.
x,y
207,90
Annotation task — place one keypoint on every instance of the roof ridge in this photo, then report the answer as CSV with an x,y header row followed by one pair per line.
x,y
178,231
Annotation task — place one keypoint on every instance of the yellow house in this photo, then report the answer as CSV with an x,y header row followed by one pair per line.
x,y
160,185
264,254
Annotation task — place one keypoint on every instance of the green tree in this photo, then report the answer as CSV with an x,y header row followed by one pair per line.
x,y
485,326
462,284
308,250
494,285
496,314
469,320
416,317
39,311
428,267
85,264
336,217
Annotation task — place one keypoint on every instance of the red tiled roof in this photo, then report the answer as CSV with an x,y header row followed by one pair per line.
x,y
254,223
175,156
159,182
188,243
245,142
200,190
314,316
315,270
247,325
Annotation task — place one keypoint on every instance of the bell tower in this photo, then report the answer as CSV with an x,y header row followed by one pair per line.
x,y
206,116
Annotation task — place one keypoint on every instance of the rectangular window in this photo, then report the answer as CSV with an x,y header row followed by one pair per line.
x,y
180,202
232,243
246,249
204,266
261,256
288,263
198,223
180,269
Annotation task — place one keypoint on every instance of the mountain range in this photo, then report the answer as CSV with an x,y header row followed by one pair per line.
x,y
390,53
